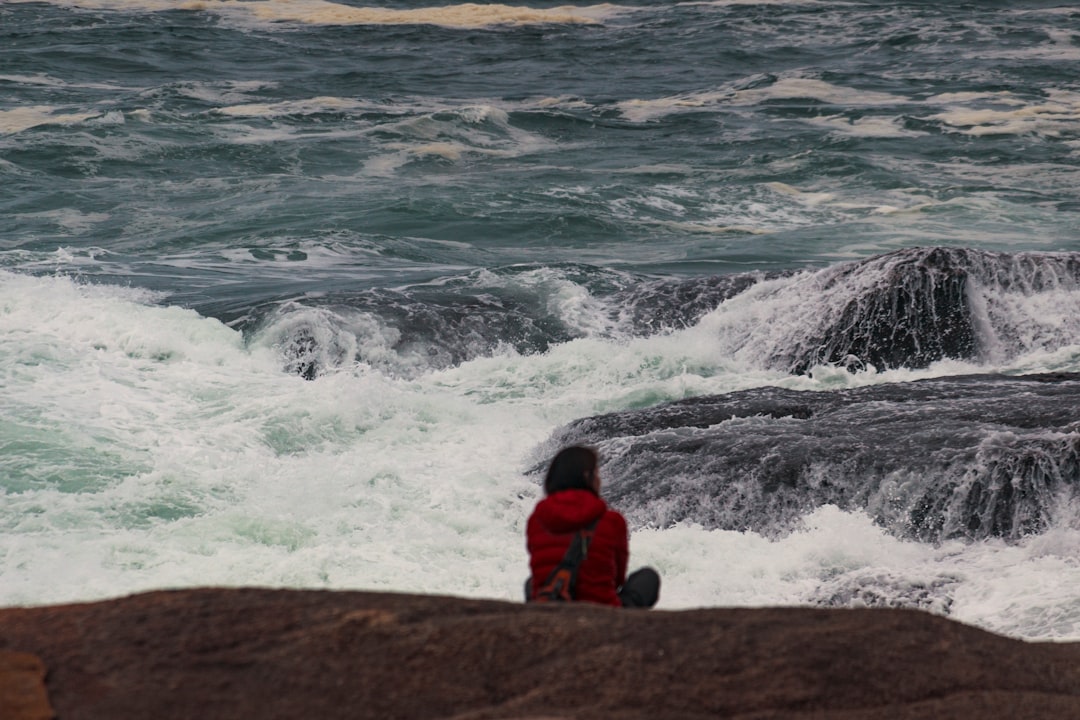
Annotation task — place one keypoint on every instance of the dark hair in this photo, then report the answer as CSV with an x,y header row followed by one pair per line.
x,y
571,469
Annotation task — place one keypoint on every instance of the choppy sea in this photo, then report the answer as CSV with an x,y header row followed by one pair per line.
x,y
300,293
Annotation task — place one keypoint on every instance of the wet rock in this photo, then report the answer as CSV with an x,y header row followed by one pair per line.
x,y
968,457
915,312
916,306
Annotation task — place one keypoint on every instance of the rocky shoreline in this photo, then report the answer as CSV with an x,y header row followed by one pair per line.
x,y
260,653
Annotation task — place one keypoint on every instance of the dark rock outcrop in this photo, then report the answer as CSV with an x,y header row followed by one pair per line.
x,y
250,653
916,306
904,309
438,325
961,457
916,312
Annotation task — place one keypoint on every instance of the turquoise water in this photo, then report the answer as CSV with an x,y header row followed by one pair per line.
x,y
470,220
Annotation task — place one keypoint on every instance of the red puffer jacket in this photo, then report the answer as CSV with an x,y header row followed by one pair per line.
x,y
551,529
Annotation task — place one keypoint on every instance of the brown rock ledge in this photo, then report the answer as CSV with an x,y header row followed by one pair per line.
x,y
22,687
255,653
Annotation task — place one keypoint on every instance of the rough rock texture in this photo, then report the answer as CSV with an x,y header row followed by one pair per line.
x,y
968,456
915,306
252,653
915,311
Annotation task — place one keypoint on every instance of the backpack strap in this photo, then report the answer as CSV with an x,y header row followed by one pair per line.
x,y
561,584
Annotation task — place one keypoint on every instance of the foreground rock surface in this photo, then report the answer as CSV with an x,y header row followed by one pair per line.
x,y
253,653
22,687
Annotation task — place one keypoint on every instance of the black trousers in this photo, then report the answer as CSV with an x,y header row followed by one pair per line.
x,y
641,589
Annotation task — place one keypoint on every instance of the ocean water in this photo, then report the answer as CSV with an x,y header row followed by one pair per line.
x,y
296,293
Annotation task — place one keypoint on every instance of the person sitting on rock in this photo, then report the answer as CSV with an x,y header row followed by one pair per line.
x,y
572,506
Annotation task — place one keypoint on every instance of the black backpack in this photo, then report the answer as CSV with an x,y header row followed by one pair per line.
x,y
561,584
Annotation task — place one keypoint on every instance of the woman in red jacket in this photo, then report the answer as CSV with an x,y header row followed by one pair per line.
x,y
572,503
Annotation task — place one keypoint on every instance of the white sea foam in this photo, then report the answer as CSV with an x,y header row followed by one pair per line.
x,y
643,110
797,87
730,3
972,113
227,91
1060,48
307,106
43,80
323,12
1000,98
38,79
466,15
125,5
69,219
869,127
1057,114
763,209
170,453
453,133
24,118
1027,590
